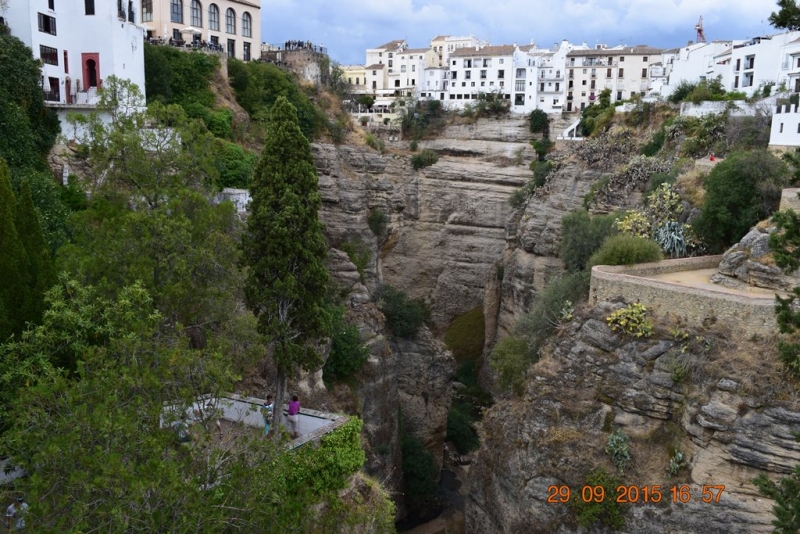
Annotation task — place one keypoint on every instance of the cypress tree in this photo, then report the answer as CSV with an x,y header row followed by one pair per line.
x,y
14,266
41,270
284,248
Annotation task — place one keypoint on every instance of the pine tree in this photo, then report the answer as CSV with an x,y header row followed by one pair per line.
x,y
14,267
42,272
787,17
284,248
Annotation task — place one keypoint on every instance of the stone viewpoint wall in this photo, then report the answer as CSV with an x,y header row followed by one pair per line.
x,y
748,314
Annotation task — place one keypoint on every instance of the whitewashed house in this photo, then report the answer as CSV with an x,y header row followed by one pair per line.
x,y
785,132
480,69
694,62
80,44
760,61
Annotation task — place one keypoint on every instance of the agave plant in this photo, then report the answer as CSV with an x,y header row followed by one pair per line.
x,y
670,237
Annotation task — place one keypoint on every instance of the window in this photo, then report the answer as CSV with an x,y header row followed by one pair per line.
x,y
463,84
467,63
621,73
483,84
557,86
621,59
455,75
583,82
391,63
501,61
51,5
454,62
47,24
608,73
483,74
501,74
541,86
619,95
176,34
213,17
176,11
520,73
501,83
798,128
88,6
231,46
147,10
472,84
644,59
246,54
468,75
196,13
519,99
402,68
397,83
48,55
247,25
230,21
413,68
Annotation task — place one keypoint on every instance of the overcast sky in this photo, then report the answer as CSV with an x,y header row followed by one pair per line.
x,y
348,27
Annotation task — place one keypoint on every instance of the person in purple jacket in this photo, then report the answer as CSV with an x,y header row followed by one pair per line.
x,y
293,417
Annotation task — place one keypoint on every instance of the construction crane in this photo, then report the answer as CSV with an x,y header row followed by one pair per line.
x,y
701,37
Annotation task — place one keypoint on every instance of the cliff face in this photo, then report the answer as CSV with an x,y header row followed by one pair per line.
x,y
448,220
723,402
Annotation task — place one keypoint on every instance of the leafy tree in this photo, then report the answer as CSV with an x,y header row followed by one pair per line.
x,y
150,218
597,117
784,244
681,91
542,147
29,127
787,17
14,264
538,121
419,473
103,458
258,86
176,77
347,353
40,263
740,191
284,248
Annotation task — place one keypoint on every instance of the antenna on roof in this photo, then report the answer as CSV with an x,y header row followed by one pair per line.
x,y
701,37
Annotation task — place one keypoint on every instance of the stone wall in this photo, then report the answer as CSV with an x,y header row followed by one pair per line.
x,y
698,306
790,199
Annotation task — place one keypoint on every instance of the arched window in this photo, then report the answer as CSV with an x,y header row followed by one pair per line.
x,y
230,21
213,17
176,11
197,14
247,24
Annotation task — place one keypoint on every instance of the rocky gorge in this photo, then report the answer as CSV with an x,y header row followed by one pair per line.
x,y
454,241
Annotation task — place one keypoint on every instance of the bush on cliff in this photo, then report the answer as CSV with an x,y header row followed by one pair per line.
x,y
626,250
581,235
740,191
426,158
404,316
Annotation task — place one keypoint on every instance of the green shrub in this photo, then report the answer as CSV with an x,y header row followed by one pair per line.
x,y
236,165
426,158
378,222
682,91
625,249
676,463
740,191
606,511
619,448
654,144
347,353
510,359
538,121
358,253
419,472
512,355
404,316
413,145
655,182
542,147
372,142
581,235
460,429
465,336
632,320
220,124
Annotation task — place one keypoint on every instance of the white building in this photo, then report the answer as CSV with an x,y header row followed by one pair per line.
x,y
444,45
80,44
694,62
785,132
760,61
480,69
232,25
539,78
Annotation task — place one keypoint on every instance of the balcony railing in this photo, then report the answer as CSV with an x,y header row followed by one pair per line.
x,y
52,96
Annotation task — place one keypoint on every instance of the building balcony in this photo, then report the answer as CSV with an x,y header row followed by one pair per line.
x,y
52,96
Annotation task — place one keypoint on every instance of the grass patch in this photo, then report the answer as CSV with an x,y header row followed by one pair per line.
x,y
465,336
